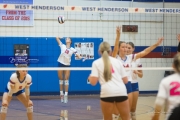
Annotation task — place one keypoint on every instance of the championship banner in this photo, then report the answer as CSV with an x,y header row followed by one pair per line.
x,y
14,17
90,9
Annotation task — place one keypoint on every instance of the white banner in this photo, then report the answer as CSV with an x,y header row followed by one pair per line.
x,y
91,9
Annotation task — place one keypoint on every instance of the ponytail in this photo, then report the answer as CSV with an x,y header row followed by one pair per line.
x,y
107,66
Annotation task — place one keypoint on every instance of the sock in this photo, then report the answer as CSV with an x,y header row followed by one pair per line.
x,y
66,93
61,93
115,117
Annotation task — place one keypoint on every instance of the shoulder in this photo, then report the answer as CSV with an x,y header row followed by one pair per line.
x,y
13,76
28,77
170,78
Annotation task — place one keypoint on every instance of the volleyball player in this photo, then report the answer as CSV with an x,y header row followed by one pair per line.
x,y
120,50
169,89
112,76
134,82
16,85
64,60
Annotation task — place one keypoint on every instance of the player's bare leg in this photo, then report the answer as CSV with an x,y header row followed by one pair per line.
x,y
67,74
61,85
5,103
27,104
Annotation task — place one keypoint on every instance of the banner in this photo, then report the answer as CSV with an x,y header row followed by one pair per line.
x,y
16,18
12,17
30,2
91,9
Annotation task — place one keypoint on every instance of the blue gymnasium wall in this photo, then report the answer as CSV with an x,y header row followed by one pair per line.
x,y
47,82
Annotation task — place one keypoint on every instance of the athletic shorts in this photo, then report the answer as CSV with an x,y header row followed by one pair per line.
x,y
115,99
135,87
128,87
16,94
175,114
62,65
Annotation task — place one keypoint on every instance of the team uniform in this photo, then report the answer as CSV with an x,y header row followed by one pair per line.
x,y
169,89
134,82
18,85
65,56
127,63
114,90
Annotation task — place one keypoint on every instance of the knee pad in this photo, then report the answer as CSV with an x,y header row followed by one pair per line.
x,y
30,109
4,109
61,82
66,82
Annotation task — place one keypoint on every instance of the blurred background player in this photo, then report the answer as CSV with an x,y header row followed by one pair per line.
x,y
112,79
64,60
134,83
169,89
18,82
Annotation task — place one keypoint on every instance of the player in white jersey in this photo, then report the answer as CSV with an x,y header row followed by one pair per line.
x,y
111,78
64,60
169,90
134,83
16,85
120,52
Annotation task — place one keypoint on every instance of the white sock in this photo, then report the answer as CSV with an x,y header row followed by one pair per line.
x,y
61,93
66,93
115,117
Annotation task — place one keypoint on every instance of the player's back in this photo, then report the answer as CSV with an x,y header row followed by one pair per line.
x,y
172,86
115,86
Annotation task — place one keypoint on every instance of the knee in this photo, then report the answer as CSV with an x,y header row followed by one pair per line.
x,y
4,108
66,82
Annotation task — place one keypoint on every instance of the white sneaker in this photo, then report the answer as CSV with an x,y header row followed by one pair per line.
x,y
62,98
65,98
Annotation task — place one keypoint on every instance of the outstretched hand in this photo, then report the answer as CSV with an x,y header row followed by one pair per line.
x,y
160,41
118,29
178,37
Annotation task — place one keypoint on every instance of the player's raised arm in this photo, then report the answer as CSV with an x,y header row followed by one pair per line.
x,y
116,46
58,41
149,49
178,38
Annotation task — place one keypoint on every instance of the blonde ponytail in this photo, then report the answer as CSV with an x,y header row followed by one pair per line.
x,y
107,66
105,49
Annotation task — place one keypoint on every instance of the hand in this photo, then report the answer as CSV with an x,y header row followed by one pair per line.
x,y
30,103
160,41
135,71
118,29
178,37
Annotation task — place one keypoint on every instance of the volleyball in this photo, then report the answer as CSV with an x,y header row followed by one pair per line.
x,y
61,19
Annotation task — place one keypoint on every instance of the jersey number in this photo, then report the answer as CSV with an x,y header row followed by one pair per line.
x,y
20,87
67,51
174,90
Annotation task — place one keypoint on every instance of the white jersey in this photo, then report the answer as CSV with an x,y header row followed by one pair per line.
x,y
127,63
169,89
66,54
19,85
115,86
135,64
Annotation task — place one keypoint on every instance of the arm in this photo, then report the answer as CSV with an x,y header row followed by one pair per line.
x,y
149,49
58,41
94,76
139,73
178,38
125,80
116,46
160,100
27,88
